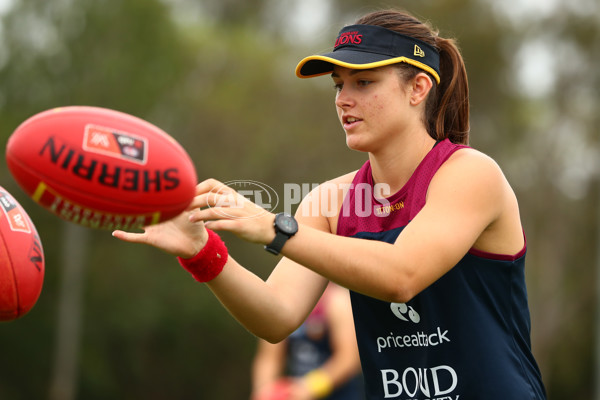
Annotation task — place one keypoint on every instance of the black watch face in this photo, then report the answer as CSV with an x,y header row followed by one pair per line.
x,y
287,224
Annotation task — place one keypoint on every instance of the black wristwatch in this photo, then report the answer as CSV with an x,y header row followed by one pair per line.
x,y
285,227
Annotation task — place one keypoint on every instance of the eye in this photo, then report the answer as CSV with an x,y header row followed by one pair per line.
x,y
338,87
363,82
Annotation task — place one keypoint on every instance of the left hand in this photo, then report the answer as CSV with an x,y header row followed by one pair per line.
x,y
224,209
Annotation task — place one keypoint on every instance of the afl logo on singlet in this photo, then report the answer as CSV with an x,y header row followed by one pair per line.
x,y
402,311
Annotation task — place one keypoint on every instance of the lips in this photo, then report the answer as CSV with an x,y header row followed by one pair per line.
x,y
350,121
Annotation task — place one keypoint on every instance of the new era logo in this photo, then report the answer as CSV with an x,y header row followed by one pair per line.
x,y
419,52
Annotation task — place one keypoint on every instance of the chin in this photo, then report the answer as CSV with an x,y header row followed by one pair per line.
x,y
356,145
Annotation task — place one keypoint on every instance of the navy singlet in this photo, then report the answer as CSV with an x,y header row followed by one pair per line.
x,y
467,336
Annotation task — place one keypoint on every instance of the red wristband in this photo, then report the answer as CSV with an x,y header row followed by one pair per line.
x,y
209,262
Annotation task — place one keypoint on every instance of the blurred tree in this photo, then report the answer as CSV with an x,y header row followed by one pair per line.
x,y
106,53
63,383
552,83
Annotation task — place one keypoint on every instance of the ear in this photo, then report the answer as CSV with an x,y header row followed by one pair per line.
x,y
421,85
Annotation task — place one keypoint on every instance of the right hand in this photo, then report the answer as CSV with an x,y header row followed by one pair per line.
x,y
178,236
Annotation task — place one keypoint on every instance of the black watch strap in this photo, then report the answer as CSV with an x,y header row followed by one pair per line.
x,y
277,244
285,227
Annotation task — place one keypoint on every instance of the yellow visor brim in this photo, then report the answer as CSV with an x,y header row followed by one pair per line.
x,y
323,65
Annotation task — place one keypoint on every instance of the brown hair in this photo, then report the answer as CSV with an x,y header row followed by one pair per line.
x,y
447,107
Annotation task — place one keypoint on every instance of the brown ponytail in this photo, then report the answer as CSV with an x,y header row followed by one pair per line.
x,y
447,108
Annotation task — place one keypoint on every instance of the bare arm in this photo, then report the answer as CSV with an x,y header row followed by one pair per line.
x,y
469,203
271,309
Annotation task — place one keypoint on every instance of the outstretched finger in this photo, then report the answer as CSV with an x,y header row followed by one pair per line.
x,y
130,237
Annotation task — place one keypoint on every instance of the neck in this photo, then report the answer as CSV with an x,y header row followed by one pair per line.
x,y
395,165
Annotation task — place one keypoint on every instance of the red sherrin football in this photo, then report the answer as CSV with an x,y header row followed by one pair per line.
x,y
101,168
21,260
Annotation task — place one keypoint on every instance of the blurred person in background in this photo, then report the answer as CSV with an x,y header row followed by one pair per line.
x,y
319,360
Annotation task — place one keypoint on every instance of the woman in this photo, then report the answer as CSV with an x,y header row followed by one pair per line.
x,y
427,235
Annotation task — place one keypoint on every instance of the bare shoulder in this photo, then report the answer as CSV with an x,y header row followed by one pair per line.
x,y
472,168
331,190
472,157
345,179
473,184
320,208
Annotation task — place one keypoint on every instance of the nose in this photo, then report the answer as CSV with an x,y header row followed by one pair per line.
x,y
343,98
